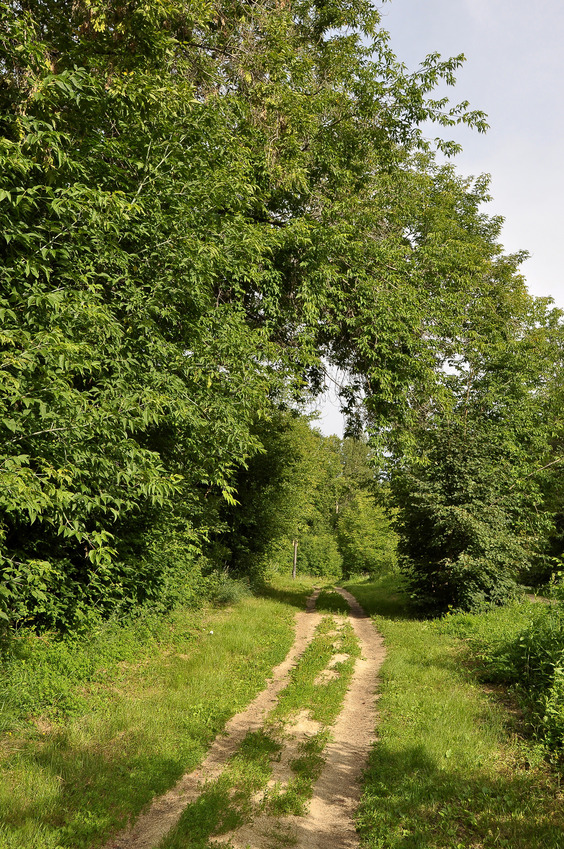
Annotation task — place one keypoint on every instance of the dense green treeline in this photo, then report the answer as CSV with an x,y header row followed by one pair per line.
x,y
202,204
319,491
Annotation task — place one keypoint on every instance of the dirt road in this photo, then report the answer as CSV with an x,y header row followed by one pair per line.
x,y
329,821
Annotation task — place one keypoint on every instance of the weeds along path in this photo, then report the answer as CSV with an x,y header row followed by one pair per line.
x,y
286,770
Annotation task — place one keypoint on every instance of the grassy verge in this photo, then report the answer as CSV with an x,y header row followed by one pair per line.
x,y
451,769
94,728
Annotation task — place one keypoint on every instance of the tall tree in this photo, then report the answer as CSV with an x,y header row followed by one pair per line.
x,y
472,513
198,201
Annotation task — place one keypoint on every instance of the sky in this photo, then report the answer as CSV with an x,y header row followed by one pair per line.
x,y
514,71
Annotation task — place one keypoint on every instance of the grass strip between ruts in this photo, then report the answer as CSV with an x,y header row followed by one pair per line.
x,y
233,799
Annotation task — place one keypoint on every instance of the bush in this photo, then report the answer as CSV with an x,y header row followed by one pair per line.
x,y
552,725
522,646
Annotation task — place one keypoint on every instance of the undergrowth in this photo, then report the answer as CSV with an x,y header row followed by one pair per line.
x,y
521,647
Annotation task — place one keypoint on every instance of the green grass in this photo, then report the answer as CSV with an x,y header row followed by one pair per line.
x,y
293,798
323,701
522,647
282,588
450,769
214,812
137,710
120,716
383,596
329,601
227,802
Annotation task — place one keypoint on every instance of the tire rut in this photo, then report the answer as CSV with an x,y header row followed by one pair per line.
x,y
330,818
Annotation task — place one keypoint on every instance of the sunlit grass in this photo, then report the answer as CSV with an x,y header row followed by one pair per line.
x,y
143,722
323,701
249,770
449,770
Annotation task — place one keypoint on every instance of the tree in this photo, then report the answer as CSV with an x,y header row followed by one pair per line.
x,y
366,541
549,476
198,202
127,385
471,513
286,493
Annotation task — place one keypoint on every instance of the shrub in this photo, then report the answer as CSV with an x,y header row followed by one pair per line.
x,y
462,526
522,646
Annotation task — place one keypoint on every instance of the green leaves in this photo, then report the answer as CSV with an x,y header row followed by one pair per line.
x,y
197,205
473,517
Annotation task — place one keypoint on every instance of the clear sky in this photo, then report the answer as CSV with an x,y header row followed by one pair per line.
x,y
514,71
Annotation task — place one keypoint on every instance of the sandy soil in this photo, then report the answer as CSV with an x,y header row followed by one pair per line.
x,y
329,822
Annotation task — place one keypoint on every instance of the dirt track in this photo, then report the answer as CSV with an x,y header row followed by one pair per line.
x,y
329,822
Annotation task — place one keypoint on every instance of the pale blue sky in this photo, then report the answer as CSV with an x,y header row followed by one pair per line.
x,y
514,72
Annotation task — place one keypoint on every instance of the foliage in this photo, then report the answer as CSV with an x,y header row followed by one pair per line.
x,y
458,544
319,554
200,204
318,490
229,590
551,475
112,334
471,512
366,540
522,648
284,493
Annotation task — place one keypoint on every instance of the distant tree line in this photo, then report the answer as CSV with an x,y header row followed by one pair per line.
x,y
318,491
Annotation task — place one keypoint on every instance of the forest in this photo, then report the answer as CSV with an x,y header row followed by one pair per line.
x,y
207,210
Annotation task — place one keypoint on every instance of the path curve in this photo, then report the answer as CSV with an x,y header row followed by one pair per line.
x,y
330,820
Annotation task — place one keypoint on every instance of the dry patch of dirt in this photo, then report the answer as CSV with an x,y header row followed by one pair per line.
x,y
329,823
325,676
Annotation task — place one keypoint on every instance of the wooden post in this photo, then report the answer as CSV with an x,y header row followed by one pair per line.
x,y
295,559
